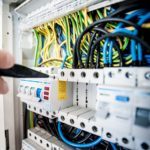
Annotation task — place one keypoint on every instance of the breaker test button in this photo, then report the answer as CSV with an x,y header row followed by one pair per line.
x,y
46,88
46,98
46,93
122,98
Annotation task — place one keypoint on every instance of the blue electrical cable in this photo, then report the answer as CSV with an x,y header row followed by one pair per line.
x,y
77,131
133,52
142,20
128,17
123,30
113,146
105,51
133,42
75,144
132,15
110,53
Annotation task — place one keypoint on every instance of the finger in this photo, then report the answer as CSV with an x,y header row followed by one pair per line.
x,y
6,60
3,87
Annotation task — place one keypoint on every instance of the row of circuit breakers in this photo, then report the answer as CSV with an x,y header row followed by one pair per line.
x,y
113,103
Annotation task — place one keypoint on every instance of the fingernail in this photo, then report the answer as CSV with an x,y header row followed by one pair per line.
x,y
9,60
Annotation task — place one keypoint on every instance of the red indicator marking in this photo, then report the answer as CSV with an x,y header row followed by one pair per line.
x,y
46,88
46,93
46,98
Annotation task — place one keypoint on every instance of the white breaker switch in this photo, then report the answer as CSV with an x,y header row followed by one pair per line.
x,y
141,127
114,111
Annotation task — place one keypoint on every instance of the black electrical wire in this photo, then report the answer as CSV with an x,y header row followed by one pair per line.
x,y
75,58
49,126
91,55
120,34
46,125
121,63
90,27
77,135
55,127
43,123
89,50
85,138
70,130
130,6
99,30
98,56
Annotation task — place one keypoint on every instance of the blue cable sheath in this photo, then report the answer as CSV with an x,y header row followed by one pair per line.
x,y
75,144
110,54
113,146
123,30
133,53
133,43
77,131
140,53
105,52
128,17
142,20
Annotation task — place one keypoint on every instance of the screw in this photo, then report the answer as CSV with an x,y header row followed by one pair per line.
x,y
147,75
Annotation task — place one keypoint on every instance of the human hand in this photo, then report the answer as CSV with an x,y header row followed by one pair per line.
x,y
6,61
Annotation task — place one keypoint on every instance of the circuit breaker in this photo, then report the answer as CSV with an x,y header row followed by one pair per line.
x,y
49,95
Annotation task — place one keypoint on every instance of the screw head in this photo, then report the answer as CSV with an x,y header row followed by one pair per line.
x,y
147,75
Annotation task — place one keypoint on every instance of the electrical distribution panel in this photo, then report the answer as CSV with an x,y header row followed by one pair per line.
x,y
98,61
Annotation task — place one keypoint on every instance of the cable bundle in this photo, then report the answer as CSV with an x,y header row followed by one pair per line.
x,y
55,40
108,37
121,45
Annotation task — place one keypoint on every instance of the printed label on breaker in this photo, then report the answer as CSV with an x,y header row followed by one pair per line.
x,y
62,90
